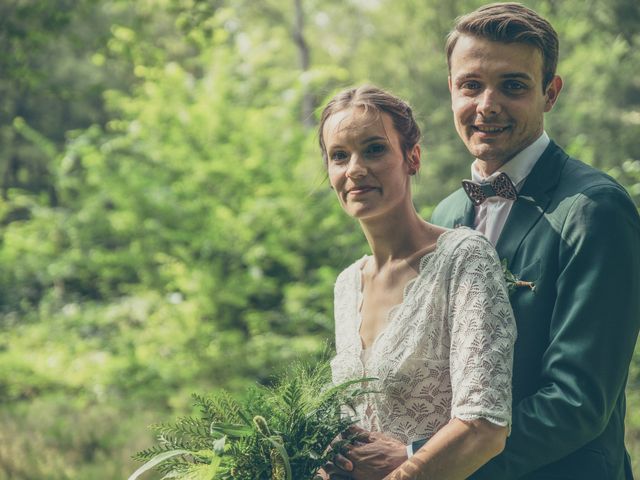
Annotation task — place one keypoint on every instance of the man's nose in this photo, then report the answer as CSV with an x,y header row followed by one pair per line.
x,y
489,103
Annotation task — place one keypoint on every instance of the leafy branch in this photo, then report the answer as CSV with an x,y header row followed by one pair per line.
x,y
277,433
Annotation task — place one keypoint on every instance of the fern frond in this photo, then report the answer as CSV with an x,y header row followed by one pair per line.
x,y
295,420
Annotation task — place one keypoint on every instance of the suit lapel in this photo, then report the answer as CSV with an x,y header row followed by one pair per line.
x,y
532,201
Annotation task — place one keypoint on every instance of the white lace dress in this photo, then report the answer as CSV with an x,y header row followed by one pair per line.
x,y
447,350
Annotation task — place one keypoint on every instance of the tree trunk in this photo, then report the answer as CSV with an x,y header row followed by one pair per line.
x,y
308,102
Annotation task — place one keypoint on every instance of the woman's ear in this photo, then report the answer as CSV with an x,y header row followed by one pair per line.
x,y
413,159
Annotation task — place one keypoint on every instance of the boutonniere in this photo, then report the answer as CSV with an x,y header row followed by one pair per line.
x,y
513,282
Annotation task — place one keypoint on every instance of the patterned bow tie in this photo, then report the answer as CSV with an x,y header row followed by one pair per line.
x,y
501,186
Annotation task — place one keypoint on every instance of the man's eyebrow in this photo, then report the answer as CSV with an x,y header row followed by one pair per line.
x,y
472,76
522,75
465,76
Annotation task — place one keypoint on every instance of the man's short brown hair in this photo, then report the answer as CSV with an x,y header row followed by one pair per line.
x,y
509,23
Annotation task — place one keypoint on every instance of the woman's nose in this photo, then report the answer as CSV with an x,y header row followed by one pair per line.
x,y
356,167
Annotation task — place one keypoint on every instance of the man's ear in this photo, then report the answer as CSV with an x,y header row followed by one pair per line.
x,y
552,93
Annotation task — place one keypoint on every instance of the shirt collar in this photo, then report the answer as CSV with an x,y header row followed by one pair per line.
x,y
519,167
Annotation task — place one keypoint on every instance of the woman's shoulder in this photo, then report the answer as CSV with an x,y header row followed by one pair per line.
x,y
462,247
463,237
349,274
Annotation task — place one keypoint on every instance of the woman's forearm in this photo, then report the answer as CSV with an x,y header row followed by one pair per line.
x,y
454,452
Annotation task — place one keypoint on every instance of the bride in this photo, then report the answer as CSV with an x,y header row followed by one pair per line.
x,y
427,313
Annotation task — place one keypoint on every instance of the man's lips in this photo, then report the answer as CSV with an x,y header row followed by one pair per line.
x,y
489,129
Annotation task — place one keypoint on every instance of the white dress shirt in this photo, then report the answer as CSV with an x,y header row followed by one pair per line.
x,y
492,214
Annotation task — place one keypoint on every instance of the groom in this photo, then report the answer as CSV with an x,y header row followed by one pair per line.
x,y
569,229
572,231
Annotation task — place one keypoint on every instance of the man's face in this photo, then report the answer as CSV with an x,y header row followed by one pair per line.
x,y
497,98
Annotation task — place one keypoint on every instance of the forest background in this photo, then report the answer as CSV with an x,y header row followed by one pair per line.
x,y
166,226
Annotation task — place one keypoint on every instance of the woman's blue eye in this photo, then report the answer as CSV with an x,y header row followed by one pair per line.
x,y
338,156
375,149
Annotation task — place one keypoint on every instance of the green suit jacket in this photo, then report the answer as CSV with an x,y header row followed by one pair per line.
x,y
575,233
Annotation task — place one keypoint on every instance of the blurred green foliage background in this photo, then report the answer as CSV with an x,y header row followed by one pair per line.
x,y
166,226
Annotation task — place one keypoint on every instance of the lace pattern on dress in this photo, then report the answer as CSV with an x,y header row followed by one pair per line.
x,y
447,350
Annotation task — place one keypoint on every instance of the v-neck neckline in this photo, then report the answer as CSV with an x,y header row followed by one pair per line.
x,y
392,312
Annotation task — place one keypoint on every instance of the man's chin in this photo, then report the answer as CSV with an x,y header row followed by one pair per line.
x,y
488,154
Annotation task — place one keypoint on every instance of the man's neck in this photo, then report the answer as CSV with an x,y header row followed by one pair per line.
x,y
527,156
486,168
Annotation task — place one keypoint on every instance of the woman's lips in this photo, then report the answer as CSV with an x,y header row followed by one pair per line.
x,y
360,190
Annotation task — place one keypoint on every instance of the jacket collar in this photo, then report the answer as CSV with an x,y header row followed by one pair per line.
x,y
532,202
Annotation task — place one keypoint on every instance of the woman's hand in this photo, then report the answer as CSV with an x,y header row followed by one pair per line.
x,y
321,474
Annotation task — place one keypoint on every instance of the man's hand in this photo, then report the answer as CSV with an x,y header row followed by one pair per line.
x,y
371,456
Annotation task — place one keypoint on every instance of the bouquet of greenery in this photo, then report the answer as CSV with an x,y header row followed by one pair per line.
x,y
276,433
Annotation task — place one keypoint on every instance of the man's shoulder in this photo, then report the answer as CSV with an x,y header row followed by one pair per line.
x,y
449,208
455,199
578,176
581,185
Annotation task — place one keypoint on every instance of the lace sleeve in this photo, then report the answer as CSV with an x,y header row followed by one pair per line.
x,y
483,332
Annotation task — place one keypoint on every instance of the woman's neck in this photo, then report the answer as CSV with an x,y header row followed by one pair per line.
x,y
399,236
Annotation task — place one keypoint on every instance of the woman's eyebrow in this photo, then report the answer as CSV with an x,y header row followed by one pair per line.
x,y
374,138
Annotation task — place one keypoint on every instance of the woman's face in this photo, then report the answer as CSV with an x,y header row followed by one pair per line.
x,y
365,162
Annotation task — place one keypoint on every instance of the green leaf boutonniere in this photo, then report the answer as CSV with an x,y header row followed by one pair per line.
x,y
513,282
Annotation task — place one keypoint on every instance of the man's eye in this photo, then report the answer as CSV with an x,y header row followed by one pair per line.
x,y
470,85
513,85
375,149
